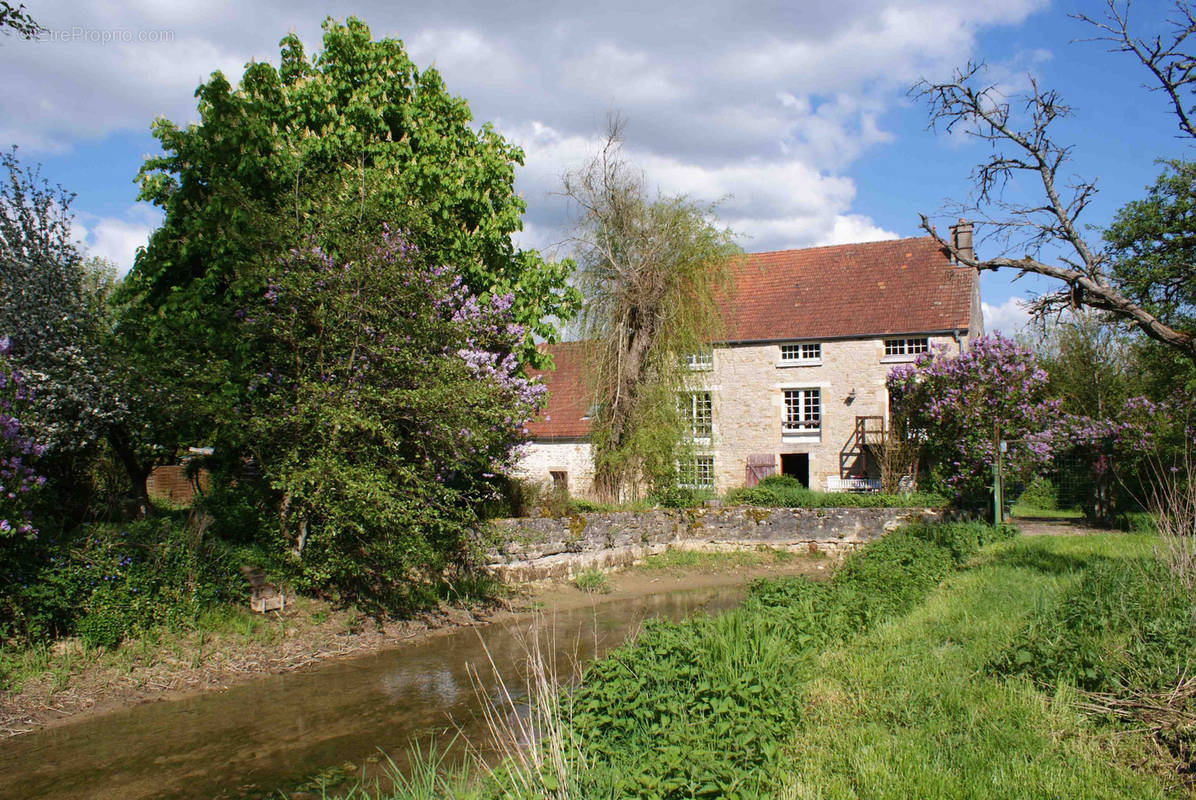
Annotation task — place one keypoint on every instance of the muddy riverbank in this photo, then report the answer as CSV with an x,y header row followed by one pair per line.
x,y
78,685
256,735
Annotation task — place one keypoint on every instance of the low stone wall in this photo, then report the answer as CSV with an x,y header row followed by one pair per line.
x,y
560,547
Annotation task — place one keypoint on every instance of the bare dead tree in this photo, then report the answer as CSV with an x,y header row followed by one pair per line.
x,y
1019,133
1172,66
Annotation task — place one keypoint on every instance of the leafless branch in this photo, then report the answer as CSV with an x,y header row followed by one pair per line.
x,y
1022,145
1173,67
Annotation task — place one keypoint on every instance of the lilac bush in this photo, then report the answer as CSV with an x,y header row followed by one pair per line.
x,y
19,480
53,330
387,397
963,405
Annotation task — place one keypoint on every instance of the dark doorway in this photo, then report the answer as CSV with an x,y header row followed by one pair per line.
x,y
797,465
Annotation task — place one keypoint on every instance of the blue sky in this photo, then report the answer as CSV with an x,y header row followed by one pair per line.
x,y
796,116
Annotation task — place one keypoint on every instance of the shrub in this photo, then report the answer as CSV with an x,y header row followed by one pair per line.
x,y
784,491
1127,625
105,582
592,580
1040,494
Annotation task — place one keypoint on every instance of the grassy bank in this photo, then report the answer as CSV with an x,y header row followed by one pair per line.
x,y
936,663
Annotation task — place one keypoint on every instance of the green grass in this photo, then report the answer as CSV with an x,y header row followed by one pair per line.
x,y
909,710
675,558
879,683
593,581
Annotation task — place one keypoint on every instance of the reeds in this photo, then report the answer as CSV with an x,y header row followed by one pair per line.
x,y
1172,505
532,747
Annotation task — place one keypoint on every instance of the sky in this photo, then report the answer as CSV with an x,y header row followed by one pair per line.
x,y
795,117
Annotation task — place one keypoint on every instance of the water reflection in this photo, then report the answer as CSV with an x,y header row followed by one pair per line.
x,y
275,730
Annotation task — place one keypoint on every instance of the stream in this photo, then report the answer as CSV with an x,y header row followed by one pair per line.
x,y
276,730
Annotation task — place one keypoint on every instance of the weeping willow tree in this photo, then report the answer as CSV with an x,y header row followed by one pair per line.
x,y
651,269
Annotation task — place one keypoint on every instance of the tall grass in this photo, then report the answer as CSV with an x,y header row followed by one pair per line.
x,y
1172,505
884,682
531,731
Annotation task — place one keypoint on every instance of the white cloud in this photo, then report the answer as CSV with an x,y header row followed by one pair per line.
x,y
1008,318
773,204
116,239
766,108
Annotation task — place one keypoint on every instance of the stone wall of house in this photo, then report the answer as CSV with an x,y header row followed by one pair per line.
x,y
541,459
560,547
748,386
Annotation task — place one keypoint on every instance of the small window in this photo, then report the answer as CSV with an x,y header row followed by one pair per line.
x,y
560,481
700,361
696,473
698,410
904,348
803,411
801,353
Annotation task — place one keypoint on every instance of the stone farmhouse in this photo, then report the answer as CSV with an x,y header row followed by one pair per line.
x,y
797,386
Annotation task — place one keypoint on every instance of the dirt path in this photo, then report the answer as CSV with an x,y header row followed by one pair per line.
x,y
77,684
1052,526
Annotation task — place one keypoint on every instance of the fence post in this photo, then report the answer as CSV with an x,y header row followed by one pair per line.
x,y
998,501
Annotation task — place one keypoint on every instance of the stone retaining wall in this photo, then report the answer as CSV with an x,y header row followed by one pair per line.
x,y
560,547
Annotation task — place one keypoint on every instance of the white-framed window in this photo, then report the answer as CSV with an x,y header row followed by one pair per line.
x,y
906,348
698,410
803,411
696,472
700,361
801,354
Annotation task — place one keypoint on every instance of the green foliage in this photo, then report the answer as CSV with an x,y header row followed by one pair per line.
x,y
908,710
317,149
1128,625
1152,244
106,581
52,333
358,124
592,580
784,491
1090,364
673,496
704,707
1040,494
651,270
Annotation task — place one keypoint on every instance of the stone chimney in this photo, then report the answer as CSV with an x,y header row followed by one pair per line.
x,y
961,238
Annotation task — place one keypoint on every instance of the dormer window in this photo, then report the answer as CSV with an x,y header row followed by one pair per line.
x,y
801,354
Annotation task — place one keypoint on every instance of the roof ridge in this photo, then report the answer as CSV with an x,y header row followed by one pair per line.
x,y
843,244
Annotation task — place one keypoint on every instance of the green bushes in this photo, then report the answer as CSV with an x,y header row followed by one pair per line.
x,y
1127,626
783,491
1040,494
107,581
701,708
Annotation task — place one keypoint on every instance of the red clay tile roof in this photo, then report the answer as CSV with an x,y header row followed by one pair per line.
x,y
568,399
872,289
901,286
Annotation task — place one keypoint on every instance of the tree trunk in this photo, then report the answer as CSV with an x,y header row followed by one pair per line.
x,y
138,472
